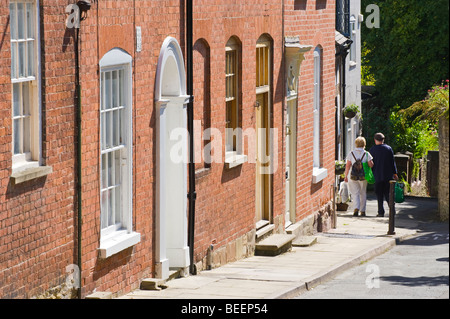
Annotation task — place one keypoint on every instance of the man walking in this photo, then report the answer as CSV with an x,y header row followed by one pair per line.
x,y
384,170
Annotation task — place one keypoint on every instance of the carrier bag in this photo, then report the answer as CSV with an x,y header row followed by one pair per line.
x,y
399,192
369,174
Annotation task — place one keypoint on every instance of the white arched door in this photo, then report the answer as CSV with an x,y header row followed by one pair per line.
x,y
171,100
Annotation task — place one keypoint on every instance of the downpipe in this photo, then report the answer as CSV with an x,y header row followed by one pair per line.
x,y
192,195
83,6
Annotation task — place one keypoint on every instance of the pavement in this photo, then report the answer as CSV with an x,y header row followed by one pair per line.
x,y
354,241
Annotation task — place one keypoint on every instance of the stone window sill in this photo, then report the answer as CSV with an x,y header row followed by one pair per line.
x,y
232,159
319,174
117,242
29,173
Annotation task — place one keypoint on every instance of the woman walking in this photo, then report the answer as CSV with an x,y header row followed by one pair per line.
x,y
354,175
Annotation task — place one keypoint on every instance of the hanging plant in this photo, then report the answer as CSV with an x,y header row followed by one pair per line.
x,y
351,110
339,167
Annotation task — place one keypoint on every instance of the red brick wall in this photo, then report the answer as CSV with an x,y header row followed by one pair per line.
x,y
112,24
314,23
225,206
37,221
226,198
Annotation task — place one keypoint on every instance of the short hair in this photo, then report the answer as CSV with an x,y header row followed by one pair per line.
x,y
360,142
379,137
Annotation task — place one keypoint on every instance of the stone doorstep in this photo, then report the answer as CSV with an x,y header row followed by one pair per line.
x,y
304,241
274,245
157,283
264,232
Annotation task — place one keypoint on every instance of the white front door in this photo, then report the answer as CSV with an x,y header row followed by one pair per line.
x,y
171,222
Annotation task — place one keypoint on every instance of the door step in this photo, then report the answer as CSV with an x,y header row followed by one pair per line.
x,y
304,241
274,245
158,284
263,230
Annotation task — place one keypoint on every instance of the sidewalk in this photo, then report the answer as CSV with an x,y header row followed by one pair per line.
x,y
355,240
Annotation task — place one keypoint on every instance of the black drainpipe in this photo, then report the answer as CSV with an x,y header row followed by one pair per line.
x,y
192,195
78,125
342,53
84,6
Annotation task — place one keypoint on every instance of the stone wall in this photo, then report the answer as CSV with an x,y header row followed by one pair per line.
x,y
443,192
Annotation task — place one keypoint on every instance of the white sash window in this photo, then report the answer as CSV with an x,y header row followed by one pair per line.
x,y
25,84
116,154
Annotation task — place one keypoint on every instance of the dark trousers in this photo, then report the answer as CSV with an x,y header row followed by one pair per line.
x,y
382,190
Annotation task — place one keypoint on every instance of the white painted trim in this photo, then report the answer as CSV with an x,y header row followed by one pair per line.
x,y
170,48
171,224
118,242
115,57
233,159
319,174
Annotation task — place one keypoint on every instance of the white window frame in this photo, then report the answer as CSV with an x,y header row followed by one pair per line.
x,y
25,91
233,149
319,173
120,236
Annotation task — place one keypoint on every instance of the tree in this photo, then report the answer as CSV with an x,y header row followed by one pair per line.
x,y
409,52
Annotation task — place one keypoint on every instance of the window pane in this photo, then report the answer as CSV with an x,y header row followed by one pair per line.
x,y
121,133
21,21
257,67
13,60
108,130
30,58
115,87
117,205
30,21
104,175
110,208
17,136
103,130
26,134
16,100
104,210
22,47
13,20
117,170
107,90
102,91
110,169
116,124
121,88
26,98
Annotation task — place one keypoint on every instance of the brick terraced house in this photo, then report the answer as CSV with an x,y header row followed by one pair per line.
x,y
101,186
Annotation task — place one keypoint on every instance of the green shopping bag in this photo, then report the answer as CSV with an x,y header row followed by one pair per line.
x,y
399,192
369,174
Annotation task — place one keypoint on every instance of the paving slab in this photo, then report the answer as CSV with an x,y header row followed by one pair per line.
x,y
354,241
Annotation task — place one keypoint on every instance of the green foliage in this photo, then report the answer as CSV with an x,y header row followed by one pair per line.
x,y
415,129
416,137
410,50
432,107
351,108
367,77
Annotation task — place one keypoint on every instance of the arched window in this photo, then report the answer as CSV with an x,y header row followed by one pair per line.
x,y
232,67
233,124
115,153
